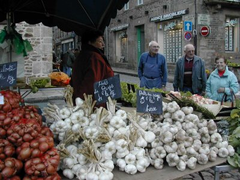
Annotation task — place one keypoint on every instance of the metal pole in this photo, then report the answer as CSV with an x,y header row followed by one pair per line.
x,y
9,17
195,27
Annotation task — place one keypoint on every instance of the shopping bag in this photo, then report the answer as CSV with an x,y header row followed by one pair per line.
x,y
227,107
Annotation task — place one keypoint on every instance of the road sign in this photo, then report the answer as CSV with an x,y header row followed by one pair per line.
x,y
187,25
188,36
204,31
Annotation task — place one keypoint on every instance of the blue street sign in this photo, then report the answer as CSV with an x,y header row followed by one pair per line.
x,y
187,25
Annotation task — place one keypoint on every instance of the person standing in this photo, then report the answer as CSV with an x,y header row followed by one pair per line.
x,y
152,68
68,59
90,66
190,73
221,81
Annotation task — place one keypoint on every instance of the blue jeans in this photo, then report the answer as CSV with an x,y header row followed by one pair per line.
x,y
67,70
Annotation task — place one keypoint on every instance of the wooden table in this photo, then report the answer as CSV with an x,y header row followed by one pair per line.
x,y
167,173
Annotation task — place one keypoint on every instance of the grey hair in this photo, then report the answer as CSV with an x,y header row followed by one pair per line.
x,y
151,42
185,47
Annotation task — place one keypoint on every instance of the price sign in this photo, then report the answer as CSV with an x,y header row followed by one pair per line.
x,y
8,74
107,88
149,102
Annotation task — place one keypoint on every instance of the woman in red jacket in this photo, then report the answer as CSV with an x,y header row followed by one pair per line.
x,y
90,66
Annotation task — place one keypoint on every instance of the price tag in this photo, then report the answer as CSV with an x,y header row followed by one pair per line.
x,y
1,99
8,74
149,102
107,88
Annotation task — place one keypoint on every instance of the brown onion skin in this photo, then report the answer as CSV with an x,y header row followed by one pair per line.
x,y
40,167
25,153
18,164
3,133
36,153
8,172
9,163
43,147
14,178
27,137
9,151
51,169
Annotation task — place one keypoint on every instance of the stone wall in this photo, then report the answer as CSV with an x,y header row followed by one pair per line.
x,y
38,62
207,47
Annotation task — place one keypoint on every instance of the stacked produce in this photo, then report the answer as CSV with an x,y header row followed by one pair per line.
x,y
59,79
129,95
93,142
26,146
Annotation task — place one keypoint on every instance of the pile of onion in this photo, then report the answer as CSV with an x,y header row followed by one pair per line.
x,y
26,146
11,100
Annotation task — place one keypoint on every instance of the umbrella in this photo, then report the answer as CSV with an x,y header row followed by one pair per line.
x,y
67,15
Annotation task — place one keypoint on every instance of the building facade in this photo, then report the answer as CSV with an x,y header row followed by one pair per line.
x,y
38,62
213,26
63,41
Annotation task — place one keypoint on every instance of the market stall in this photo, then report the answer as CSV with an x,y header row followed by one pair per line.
x,y
120,143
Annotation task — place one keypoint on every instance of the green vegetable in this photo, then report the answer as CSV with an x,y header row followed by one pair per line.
x,y
129,94
38,83
234,160
234,136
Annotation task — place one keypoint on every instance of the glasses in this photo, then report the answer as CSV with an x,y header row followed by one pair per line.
x,y
156,47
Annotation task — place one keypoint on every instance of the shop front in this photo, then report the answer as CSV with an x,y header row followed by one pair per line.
x,y
170,34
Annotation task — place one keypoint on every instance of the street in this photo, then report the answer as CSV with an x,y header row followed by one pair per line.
x,y
135,80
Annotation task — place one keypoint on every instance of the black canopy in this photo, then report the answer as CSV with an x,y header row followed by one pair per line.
x,y
68,15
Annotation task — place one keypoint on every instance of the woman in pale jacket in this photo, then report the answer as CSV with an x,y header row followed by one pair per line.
x,y
221,81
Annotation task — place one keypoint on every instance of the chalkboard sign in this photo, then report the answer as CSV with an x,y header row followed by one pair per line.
x,y
107,87
149,102
8,74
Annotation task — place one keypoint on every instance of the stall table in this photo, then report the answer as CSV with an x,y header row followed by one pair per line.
x,y
167,173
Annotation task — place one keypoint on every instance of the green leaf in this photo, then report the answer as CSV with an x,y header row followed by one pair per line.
x,y
233,140
235,113
231,161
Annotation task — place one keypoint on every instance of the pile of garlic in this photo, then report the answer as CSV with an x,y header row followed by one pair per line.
x,y
183,140
130,141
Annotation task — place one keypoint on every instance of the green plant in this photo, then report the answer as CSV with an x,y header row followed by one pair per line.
x,y
234,135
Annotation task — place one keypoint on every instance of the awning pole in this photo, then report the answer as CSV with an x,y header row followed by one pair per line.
x,y
9,17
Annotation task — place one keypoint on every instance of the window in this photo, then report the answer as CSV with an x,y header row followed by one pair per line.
x,y
231,34
173,40
121,46
126,6
140,2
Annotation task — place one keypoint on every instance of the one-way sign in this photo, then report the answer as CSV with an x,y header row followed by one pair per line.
x,y
187,25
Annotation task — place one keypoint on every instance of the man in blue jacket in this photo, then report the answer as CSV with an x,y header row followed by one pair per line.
x,y
152,68
190,72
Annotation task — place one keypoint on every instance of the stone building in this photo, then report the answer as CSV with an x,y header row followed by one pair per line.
x,y
38,62
63,41
213,26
